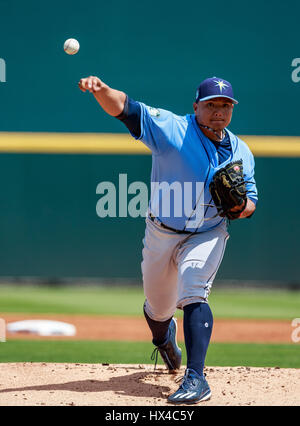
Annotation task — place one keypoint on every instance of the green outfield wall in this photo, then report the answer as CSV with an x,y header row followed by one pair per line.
x,y
49,226
56,144
157,52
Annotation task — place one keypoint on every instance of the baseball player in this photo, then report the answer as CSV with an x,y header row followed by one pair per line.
x,y
202,178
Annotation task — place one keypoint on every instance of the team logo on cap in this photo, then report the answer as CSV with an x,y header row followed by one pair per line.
x,y
220,84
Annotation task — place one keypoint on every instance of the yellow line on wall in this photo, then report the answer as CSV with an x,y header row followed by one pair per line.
x,y
110,143
273,146
77,143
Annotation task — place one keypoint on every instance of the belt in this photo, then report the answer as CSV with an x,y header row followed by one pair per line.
x,y
159,223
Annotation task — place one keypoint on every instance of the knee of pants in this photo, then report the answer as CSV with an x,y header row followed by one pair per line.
x,y
159,312
193,284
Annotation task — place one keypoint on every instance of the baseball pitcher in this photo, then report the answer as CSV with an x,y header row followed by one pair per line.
x,y
202,178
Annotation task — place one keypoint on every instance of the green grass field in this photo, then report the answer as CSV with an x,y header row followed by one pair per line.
x,y
128,301
260,304
219,354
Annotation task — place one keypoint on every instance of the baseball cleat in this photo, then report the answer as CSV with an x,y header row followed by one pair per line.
x,y
194,388
170,351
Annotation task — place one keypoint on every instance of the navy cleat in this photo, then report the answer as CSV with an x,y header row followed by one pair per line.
x,y
170,351
193,389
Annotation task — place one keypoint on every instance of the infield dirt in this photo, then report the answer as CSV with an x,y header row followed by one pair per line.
x,y
139,385
135,328
37,384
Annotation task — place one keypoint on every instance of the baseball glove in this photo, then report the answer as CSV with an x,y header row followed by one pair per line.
x,y
228,190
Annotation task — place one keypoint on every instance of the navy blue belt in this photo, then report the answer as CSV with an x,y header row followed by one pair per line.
x,y
159,223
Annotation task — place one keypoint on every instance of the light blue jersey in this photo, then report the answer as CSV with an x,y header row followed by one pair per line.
x,y
184,161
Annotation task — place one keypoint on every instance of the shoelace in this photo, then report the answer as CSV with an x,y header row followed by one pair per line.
x,y
154,357
186,378
180,379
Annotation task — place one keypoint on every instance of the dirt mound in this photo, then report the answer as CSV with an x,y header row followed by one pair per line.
x,y
139,385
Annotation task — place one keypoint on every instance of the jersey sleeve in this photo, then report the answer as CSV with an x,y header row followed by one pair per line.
x,y
131,117
250,179
157,129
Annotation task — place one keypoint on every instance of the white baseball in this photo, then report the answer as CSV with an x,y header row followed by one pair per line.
x,y
71,46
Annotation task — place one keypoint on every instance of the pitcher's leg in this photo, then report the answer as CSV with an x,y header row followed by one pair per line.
x,y
159,308
197,326
199,259
159,329
159,273
160,288
198,262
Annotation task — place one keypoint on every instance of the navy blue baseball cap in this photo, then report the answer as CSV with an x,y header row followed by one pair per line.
x,y
215,87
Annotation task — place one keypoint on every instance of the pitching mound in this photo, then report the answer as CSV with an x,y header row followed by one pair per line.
x,y
140,385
